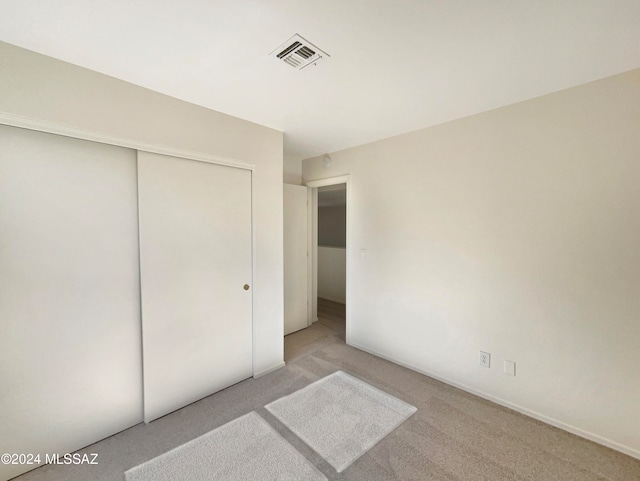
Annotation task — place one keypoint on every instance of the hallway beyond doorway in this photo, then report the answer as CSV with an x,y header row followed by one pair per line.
x,y
328,329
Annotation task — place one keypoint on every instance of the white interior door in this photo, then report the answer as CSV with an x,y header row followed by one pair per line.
x,y
195,259
70,356
295,258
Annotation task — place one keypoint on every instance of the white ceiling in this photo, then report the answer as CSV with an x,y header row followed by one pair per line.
x,y
395,66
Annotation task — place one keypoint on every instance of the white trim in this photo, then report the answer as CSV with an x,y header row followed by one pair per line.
x,y
343,179
314,254
253,279
76,133
310,303
142,390
515,407
280,365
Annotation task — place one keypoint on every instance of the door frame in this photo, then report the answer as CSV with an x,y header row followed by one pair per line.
x,y
312,263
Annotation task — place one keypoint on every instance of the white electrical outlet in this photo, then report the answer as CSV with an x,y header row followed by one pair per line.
x,y
510,368
485,359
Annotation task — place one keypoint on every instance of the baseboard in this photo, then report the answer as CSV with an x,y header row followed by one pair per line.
x,y
515,407
280,365
333,299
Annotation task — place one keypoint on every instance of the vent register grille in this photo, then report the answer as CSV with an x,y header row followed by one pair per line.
x,y
298,53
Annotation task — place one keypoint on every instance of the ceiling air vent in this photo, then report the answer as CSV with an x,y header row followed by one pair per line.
x,y
298,52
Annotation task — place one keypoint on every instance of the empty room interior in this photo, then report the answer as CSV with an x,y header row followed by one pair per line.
x,y
335,240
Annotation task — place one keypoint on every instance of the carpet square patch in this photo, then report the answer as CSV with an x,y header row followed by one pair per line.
x,y
340,417
245,449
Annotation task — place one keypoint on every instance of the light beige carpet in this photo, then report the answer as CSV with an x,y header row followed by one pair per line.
x,y
340,417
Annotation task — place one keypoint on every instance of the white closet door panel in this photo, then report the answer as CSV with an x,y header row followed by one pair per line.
x,y
70,370
295,258
195,245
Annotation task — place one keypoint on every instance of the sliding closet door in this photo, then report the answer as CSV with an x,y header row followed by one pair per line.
x,y
70,370
195,247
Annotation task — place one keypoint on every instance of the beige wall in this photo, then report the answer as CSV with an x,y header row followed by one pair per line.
x,y
292,171
332,225
515,232
45,89
332,273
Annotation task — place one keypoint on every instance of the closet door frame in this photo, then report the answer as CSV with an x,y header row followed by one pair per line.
x,y
82,134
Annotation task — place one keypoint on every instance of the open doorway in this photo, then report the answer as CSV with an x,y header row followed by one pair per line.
x,y
327,255
331,296
329,241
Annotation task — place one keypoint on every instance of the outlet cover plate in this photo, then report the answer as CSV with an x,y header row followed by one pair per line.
x,y
510,368
485,359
